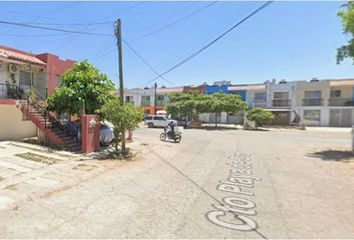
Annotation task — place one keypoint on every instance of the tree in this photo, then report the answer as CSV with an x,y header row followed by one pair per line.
x,y
123,117
259,115
82,85
220,102
182,105
192,104
347,17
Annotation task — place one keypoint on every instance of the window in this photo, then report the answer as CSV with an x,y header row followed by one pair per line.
x,y
159,118
58,81
148,118
160,97
335,93
260,96
312,114
25,78
281,95
128,98
313,94
145,98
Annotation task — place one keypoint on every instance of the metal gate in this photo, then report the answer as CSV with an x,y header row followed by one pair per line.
x,y
340,117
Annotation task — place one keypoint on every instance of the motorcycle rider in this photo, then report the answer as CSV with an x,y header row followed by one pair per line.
x,y
170,129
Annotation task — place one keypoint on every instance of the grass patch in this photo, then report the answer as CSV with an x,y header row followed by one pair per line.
x,y
36,158
119,155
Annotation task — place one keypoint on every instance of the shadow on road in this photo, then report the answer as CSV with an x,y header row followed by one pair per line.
x,y
334,155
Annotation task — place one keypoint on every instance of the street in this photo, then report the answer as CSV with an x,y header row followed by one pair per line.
x,y
214,184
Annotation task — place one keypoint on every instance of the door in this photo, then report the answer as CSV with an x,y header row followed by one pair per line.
x,y
346,118
334,117
340,118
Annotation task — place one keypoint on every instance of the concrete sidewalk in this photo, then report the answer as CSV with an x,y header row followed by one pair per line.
x,y
22,179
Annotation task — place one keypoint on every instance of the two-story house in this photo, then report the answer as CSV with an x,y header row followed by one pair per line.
x,y
19,72
280,99
311,102
341,103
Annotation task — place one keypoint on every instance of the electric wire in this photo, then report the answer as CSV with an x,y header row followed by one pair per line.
x,y
175,22
191,56
53,29
146,63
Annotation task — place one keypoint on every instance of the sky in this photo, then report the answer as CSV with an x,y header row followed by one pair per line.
x,y
286,40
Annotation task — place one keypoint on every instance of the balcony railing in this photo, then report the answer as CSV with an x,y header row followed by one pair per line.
x,y
10,91
259,102
280,102
161,102
130,102
340,102
312,102
146,103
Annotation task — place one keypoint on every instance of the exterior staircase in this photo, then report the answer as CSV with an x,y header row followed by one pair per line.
x,y
61,134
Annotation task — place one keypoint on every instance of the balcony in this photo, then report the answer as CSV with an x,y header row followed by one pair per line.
x,y
281,102
312,102
10,91
161,103
259,102
130,102
340,102
146,103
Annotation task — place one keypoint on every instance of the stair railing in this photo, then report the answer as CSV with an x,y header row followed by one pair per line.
x,y
69,128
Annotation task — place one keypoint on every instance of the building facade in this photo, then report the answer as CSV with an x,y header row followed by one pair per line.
x,y
19,72
313,103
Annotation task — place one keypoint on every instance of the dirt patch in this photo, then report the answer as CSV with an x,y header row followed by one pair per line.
x,y
84,167
58,190
37,158
1,178
11,187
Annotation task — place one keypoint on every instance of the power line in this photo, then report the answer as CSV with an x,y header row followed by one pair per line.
x,y
51,12
170,16
146,63
53,29
33,35
175,22
266,4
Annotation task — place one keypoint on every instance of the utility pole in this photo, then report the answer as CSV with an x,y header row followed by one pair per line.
x,y
118,33
155,97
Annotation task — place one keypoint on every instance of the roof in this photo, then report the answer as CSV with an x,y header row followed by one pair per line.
x,y
21,56
169,90
246,87
344,82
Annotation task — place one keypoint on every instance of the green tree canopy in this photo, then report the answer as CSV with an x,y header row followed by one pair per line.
x,y
191,104
82,85
123,117
347,51
259,115
182,105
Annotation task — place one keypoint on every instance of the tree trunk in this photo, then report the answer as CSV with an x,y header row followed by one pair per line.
x,y
216,120
116,144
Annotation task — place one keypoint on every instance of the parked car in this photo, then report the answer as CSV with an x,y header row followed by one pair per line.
x,y
158,121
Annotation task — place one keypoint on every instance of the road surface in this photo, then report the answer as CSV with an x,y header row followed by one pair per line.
x,y
214,184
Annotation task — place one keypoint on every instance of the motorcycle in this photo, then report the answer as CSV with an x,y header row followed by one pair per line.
x,y
175,136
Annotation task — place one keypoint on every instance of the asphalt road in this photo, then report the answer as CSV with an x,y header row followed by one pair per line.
x,y
214,184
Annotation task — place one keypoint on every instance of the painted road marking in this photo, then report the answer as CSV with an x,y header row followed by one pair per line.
x,y
236,211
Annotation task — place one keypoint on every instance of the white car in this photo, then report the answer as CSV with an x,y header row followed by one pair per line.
x,y
158,121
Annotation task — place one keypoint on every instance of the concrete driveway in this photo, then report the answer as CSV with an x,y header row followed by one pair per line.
x,y
214,184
